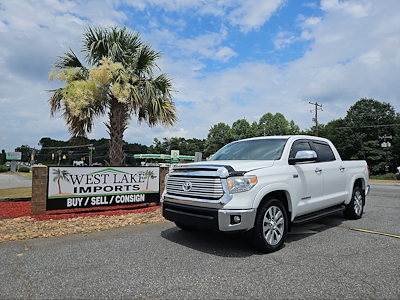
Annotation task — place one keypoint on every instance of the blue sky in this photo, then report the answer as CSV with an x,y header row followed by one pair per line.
x,y
230,59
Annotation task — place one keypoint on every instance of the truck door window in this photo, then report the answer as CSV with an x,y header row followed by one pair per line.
x,y
298,146
324,152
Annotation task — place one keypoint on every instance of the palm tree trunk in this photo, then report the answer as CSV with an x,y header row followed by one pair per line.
x,y
59,186
118,116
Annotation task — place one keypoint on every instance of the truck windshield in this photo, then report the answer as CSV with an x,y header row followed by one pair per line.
x,y
261,149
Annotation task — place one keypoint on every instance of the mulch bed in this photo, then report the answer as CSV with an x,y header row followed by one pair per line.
x,y
16,223
18,209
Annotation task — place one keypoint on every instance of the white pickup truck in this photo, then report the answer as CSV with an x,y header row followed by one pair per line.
x,y
264,185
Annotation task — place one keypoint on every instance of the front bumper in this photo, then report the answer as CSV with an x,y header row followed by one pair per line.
x,y
209,218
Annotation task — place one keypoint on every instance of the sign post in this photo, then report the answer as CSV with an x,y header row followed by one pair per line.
x,y
13,156
174,156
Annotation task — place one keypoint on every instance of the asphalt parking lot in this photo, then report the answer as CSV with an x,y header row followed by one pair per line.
x,y
326,259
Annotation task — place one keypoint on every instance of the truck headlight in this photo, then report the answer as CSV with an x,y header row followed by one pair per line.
x,y
241,184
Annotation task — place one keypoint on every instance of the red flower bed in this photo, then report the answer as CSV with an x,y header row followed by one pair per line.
x,y
20,209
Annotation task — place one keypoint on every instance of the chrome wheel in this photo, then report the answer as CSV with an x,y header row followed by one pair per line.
x,y
273,225
355,208
358,202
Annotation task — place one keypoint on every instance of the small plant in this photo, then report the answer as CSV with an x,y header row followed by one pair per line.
x,y
3,169
24,169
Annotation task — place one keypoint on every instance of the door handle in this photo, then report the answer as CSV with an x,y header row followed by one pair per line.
x,y
318,170
341,168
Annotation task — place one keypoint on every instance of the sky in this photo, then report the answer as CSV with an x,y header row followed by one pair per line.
x,y
229,59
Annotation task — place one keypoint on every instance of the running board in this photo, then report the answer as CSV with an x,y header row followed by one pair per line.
x,y
318,214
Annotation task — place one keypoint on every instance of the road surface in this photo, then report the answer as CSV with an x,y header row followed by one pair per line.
x,y
326,259
14,181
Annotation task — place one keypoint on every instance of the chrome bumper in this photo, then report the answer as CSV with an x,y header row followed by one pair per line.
x,y
225,219
367,190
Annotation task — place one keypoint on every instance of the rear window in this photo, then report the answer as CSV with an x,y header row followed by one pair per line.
x,y
262,149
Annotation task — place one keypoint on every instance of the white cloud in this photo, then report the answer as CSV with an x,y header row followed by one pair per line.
x,y
253,13
370,58
207,45
247,14
283,39
357,8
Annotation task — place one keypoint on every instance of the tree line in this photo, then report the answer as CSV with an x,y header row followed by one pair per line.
x,y
356,136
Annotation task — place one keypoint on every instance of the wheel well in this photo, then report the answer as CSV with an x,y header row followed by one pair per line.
x,y
284,198
359,182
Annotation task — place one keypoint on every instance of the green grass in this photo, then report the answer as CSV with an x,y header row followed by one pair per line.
x,y
384,177
16,193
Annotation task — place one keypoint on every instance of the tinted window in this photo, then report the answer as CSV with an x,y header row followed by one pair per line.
x,y
262,149
324,152
298,146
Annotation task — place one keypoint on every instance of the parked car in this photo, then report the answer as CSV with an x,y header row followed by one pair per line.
x,y
398,173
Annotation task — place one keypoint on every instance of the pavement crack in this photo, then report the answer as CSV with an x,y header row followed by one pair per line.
x,y
25,281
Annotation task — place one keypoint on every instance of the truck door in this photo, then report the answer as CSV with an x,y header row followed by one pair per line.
x,y
307,181
334,175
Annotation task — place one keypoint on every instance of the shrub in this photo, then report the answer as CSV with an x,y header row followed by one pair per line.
x,y
24,169
3,169
388,176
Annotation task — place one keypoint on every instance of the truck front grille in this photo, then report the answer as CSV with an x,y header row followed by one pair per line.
x,y
209,188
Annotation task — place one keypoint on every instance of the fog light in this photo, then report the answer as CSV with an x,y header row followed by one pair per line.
x,y
236,219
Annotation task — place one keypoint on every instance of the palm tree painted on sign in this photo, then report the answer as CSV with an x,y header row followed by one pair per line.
x,y
148,174
122,81
60,175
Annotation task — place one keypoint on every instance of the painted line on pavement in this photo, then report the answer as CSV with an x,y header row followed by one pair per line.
x,y
375,232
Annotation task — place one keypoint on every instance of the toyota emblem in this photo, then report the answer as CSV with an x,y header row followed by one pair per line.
x,y
187,186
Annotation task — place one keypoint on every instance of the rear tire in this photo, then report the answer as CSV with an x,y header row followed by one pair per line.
x,y
270,226
355,208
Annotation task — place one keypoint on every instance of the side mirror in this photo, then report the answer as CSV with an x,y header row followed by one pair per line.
x,y
303,156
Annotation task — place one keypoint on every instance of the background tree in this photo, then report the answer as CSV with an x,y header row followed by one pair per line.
x,y
277,124
3,157
241,129
218,136
356,136
26,152
120,82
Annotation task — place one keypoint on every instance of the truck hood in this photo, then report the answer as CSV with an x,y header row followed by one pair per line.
x,y
237,165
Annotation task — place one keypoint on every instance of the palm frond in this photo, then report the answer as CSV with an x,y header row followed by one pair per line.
x,y
117,44
68,59
146,59
55,101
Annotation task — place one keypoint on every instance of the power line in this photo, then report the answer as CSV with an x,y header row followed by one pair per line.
x,y
366,126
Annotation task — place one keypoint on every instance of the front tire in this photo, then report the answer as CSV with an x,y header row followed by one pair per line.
x,y
355,208
270,226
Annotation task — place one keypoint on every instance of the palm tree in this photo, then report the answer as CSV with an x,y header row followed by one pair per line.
x,y
120,82
147,175
60,175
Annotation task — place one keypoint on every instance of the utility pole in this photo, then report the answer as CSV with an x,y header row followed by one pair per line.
x,y
91,148
386,145
317,106
59,156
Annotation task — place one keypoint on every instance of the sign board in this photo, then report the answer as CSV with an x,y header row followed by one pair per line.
x,y
13,155
174,156
82,187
